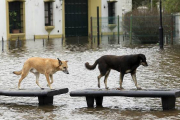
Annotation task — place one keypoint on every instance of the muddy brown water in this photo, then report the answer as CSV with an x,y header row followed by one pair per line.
x,y
162,73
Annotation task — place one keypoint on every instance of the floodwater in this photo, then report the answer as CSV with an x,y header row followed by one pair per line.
x,y
162,73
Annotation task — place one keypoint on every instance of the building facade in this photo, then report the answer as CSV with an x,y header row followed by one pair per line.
x,y
29,19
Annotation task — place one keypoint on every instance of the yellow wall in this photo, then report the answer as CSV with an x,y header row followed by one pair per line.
x,y
92,11
93,4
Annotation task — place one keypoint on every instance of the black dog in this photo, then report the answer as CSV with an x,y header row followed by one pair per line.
x,y
123,64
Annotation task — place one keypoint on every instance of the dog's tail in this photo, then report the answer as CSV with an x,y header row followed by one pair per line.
x,y
91,67
17,72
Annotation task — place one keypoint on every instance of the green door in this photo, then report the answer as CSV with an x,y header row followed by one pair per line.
x,y
76,18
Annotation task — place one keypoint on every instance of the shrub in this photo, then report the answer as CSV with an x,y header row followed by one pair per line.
x,y
145,25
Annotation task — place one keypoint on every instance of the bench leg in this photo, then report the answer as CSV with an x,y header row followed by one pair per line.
x,y
90,101
168,103
99,101
45,100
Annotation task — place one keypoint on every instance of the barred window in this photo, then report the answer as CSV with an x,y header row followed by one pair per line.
x,y
48,13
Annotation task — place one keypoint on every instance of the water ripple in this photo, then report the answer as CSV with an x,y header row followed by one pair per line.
x,y
162,72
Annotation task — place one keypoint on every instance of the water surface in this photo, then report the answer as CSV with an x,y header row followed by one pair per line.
x,y
162,73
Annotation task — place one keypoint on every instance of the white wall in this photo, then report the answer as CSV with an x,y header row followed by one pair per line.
x,y
35,23
126,5
3,20
34,13
120,4
177,26
57,17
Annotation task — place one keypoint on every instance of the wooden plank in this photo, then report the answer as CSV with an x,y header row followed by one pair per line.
x,y
45,96
168,97
33,92
126,93
168,103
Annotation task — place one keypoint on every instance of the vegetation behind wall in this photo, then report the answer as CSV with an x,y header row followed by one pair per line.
x,y
144,24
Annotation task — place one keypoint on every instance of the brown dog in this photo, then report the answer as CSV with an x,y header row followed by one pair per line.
x,y
44,66
123,64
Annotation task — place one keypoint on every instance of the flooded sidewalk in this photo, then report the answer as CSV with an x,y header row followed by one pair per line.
x,y
162,73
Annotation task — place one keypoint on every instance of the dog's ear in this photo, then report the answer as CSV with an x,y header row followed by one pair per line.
x,y
66,61
60,62
142,57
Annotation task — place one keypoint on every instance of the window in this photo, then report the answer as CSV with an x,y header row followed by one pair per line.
x,y
16,17
111,12
48,14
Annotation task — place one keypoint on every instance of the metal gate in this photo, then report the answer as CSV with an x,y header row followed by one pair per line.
x,y
76,18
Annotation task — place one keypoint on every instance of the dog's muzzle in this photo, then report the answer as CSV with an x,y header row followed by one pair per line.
x,y
66,71
144,63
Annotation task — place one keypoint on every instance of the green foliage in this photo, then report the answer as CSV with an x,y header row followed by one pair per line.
x,y
136,3
171,6
14,23
154,4
145,25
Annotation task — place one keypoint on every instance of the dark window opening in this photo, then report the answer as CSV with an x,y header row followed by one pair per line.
x,y
111,12
16,17
48,14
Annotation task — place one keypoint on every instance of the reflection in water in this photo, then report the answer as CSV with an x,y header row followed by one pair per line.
x,y
77,44
162,73
30,112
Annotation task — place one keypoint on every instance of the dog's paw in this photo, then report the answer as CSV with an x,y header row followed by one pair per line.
x,y
118,89
99,86
107,88
21,89
121,88
139,88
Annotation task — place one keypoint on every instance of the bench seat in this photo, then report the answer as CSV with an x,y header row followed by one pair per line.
x,y
168,97
45,96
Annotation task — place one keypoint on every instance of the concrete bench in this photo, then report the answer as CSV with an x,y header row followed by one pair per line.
x,y
168,97
45,96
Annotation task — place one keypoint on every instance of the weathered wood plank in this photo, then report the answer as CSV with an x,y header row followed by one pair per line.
x,y
33,92
45,96
168,97
126,93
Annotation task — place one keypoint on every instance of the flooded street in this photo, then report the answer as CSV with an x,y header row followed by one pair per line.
x,y
162,73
